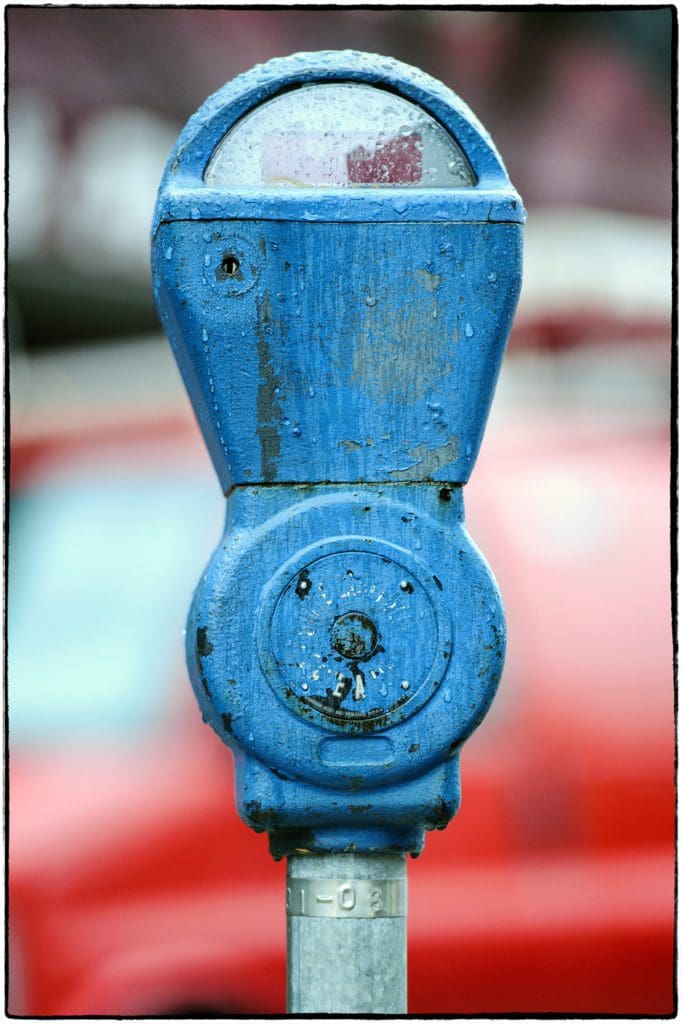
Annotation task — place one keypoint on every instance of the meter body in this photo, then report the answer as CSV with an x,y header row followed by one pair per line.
x,y
336,262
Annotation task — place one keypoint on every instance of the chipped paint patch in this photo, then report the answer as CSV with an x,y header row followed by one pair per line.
x,y
203,644
429,280
397,347
428,460
268,408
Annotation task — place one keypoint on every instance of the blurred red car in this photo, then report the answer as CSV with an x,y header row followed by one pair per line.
x,y
134,887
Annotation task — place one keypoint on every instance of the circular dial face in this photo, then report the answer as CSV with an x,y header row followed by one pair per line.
x,y
355,636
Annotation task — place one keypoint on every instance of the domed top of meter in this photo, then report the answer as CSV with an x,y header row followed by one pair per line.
x,y
321,122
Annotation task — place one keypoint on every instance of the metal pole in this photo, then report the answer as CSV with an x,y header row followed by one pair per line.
x,y
347,933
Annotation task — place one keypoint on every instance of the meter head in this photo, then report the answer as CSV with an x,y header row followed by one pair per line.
x,y
336,262
355,205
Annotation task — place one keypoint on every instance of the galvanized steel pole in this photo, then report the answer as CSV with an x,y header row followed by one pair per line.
x,y
347,933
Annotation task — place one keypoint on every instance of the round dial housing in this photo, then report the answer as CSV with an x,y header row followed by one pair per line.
x,y
355,637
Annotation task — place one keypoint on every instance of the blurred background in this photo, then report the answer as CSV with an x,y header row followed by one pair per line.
x,y
134,888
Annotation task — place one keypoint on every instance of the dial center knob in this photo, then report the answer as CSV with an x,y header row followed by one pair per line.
x,y
354,636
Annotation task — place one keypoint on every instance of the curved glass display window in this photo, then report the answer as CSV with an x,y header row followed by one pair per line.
x,y
336,135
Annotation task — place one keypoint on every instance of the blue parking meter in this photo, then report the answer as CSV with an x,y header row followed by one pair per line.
x,y
336,262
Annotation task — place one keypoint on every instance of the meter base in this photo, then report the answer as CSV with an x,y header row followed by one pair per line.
x,y
302,819
346,840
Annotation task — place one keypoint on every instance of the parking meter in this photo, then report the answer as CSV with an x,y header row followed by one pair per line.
x,y
336,262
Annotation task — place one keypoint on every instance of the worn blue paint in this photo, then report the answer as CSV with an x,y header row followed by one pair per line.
x,y
347,635
329,323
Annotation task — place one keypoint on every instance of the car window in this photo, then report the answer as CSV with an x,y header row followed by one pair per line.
x,y
101,572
